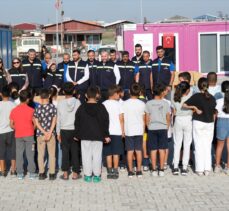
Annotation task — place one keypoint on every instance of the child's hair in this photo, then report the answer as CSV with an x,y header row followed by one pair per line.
x,y
93,92
203,86
225,90
13,85
44,93
120,89
143,90
68,88
113,90
185,75
135,90
5,91
212,78
53,93
24,96
181,89
159,89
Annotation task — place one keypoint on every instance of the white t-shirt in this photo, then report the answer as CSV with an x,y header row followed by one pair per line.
x,y
219,108
5,109
213,90
114,109
134,109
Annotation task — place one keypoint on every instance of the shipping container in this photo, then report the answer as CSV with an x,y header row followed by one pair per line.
x,y
6,45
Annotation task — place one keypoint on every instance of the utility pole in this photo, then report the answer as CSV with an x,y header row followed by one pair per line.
x,y
62,30
57,5
141,11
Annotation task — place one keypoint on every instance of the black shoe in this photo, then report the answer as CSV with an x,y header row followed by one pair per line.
x,y
4,173
115,174
109,174
176,171
130,174
13,173
42,176
184,172
52,176
139,174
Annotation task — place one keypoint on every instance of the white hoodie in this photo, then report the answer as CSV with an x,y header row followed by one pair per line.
x,y
66,110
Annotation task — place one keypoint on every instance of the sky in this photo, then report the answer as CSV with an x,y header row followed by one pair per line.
x,y
43,11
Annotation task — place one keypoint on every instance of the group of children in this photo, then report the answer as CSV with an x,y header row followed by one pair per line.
x,y
134,132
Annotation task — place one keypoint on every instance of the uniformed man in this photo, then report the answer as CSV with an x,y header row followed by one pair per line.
x,y
127,73
32,66
163,69
108,74
144,75
113,56
46,62
78,74
63,66
92,65
138,54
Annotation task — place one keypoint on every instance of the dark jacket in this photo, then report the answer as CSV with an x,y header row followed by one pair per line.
x,y
92,122
93,72
3,80
34,72
127,74
161,73
18,76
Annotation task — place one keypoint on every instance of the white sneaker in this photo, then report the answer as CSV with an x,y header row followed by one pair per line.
x,y
200,173
165,166
145,168
217,169
206,173
161,173
226,171
154,173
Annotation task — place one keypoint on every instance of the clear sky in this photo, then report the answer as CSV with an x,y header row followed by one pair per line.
x,y
43,11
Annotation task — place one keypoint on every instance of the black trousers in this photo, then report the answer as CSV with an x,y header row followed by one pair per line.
x,y
70,151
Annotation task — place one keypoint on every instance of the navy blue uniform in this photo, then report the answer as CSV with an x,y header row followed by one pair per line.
x,y
18,76
34,72
161,70
93,72
145,71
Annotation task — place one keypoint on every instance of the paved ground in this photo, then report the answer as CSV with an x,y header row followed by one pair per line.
x,y
147,193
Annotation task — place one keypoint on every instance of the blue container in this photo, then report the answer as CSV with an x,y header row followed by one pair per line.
x,y
6,45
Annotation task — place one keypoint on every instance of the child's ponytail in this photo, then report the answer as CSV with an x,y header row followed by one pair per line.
x,y
203,86
181,89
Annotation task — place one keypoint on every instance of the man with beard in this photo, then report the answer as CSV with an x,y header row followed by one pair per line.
x,y
138,54
92,65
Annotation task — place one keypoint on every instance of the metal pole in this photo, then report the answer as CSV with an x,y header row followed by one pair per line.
x,y
62,32
141,10
57,33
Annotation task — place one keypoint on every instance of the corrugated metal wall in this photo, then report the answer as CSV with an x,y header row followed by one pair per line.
x,y
6,46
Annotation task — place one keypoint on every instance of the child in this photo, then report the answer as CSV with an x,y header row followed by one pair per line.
x,y
134,124
222,127
158,121
169,133
92,128
14,93
182,132
53,77
45,118
186,76
114,149
21,120
65,129
203,126
213,88
145,161
7,141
